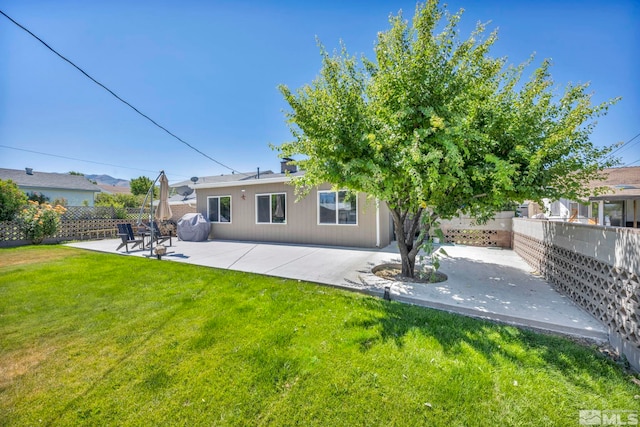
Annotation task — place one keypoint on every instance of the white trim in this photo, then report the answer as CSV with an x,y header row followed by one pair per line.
x,y
337,193
286,210
230,209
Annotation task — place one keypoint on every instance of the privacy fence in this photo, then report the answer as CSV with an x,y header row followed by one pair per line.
x,y
597,267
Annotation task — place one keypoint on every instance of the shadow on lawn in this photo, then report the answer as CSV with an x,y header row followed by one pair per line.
x,y
496,344
152,381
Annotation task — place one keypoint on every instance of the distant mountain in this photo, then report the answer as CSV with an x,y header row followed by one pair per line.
x,y
108,180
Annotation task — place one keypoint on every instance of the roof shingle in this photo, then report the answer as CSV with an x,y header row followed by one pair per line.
x,y
37,179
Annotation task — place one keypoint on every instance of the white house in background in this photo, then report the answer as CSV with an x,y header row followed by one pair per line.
x,y
75,189
619,207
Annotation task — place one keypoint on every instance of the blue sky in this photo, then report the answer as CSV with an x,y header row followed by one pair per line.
x,y
208,71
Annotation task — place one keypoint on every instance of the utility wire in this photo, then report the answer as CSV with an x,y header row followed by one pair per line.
x,y
80,160
117,97
623,145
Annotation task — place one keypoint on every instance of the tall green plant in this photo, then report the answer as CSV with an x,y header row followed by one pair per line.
x,y
435,126
12,199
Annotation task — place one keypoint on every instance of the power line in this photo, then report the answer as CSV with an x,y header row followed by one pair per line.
x,y
80,160
117,97
623,145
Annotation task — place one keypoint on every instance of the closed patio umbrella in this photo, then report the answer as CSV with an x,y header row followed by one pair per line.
x,y
163,212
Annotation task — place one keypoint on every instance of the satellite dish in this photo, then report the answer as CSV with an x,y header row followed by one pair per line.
x,y
194,179
184,190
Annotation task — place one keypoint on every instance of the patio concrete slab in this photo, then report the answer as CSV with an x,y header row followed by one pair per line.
x,y
488,283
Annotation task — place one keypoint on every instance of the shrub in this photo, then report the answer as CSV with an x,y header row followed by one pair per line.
x,y
40,220
12,199
34,196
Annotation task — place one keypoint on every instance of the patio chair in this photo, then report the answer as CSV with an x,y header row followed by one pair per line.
x,y
158,236
126,234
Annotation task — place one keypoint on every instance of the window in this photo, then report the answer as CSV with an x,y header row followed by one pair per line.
x,y
271,208
577,210
337,207
219,208
614,214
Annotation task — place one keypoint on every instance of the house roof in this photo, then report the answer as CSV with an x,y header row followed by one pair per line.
x,y
265,178
114,189
244,176
61,181
179,199
623,182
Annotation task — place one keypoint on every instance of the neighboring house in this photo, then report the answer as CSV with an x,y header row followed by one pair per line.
x,y
180,205
75,189
619,207
264,208
114,189
567,210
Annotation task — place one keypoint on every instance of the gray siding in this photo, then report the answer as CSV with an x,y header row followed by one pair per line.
x,y
301,219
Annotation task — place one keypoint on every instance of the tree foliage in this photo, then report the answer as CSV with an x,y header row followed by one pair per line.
x,y
141,185
118,200
436,124
12,200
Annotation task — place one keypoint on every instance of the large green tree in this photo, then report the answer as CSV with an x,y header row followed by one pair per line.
x,y
435,125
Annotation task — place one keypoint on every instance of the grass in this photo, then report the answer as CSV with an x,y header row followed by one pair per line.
x,y
99,339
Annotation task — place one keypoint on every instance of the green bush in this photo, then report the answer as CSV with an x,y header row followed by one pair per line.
x,y
118,200
34,196
12,199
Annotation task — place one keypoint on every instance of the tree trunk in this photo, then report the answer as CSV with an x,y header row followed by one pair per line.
x,y
405,236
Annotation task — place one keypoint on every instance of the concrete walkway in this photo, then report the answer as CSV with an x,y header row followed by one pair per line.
x,y
488,283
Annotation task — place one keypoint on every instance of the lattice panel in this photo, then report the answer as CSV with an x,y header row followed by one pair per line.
x,y
10,233
607,292
473,237
101,212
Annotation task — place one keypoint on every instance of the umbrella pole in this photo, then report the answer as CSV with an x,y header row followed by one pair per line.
x,y
149,193
151,221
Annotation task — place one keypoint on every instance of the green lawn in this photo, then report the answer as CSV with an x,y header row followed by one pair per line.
x,y
98,339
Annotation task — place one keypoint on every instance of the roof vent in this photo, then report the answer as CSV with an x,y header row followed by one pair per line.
x,y
29,171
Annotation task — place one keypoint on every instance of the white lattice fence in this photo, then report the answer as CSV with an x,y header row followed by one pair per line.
x,y
473,237
10,234
611,294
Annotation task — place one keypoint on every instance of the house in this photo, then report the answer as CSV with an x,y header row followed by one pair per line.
x,y
263,207
618,207
183,199
621,206
75,189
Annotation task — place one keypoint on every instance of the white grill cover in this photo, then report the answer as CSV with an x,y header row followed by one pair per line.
x,y
193,227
